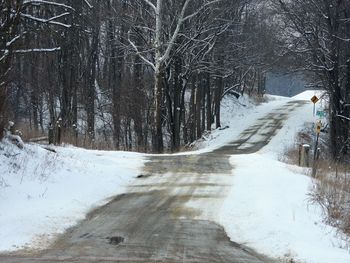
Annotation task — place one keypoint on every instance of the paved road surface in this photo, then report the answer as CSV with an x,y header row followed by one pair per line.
x,y
151,222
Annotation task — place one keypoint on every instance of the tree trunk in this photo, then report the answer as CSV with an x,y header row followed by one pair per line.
x,y
218,93
158,93
116,70
158,72
192,111
198,100
91,92
177,105
66,88
208,104
203,93
138,101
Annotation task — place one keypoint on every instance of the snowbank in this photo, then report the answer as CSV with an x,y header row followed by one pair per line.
x,y
267,207
43,193
236,116
308,94
268,210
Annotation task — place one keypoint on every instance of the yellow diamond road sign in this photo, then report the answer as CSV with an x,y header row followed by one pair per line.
x,y
314,99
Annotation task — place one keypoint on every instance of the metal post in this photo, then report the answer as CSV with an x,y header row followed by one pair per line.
x,y
314,165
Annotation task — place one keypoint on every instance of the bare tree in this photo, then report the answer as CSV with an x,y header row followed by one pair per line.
x,y
16,13
319,37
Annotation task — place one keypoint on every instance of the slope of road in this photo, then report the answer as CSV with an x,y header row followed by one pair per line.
x,y
151,221
43,193
268,209
169,214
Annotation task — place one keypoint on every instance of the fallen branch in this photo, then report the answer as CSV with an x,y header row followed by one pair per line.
x,y
49,149
39,139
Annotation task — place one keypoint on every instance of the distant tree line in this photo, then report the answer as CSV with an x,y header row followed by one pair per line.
x,y
317,40
138,74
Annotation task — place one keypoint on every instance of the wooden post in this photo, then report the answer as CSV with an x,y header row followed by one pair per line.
x,y
58,131
304,150
51,134
314,164
75,131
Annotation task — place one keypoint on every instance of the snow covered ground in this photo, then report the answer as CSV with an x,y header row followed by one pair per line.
x,y
42,193
267,208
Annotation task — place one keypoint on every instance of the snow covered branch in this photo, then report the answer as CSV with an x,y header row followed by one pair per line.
x,y
88,4
176,32
343,117
21,51
49,20
9,43
151,5
149,63
28,2
6,53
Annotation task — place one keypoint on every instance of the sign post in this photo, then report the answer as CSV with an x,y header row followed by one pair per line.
x,y
314,165
314,99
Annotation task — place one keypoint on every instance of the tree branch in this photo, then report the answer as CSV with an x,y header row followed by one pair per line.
x,y
28,2
139,54
151,5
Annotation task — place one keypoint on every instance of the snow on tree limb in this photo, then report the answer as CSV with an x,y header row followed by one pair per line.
x,y
59,16
22,51
88,4
151,5
182,18
343,117
28,2
200,9
48,21
6,53
176,32
9,43
139,54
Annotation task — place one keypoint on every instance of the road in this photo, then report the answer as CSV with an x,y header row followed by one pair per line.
x,y
151,222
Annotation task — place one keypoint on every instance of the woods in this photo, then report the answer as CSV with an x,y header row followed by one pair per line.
x,y
141,75
318,40
150,75
119,78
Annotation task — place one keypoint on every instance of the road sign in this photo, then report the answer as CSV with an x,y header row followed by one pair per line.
x,y
321,113
318,127
314,99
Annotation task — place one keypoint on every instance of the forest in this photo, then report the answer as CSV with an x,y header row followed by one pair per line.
x,y
149,75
